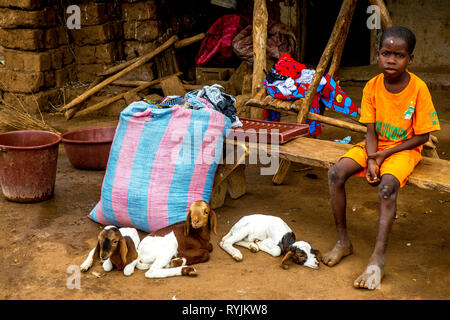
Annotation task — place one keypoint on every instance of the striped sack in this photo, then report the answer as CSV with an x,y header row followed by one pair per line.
x,y
161,160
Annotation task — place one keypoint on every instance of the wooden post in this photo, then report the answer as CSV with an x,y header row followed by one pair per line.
x,y
342,19
301,11
336,61
260,18
386,21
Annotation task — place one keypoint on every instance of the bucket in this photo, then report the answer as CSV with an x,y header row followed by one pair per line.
x,y
88,149
28,161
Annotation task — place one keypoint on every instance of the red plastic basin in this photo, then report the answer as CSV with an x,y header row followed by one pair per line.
x,y
88,149
28,161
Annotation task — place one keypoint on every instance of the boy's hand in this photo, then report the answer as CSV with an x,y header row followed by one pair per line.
x,y
373,170
378,156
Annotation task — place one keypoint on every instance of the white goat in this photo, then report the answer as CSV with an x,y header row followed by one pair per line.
x,y
269,234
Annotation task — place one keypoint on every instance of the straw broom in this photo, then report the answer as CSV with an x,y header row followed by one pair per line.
x,y
17,118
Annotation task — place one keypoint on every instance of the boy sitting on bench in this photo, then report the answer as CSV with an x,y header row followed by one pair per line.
x,y
399,113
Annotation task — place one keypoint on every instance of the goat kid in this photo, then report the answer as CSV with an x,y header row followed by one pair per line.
x,y
272,235
115,248
169,251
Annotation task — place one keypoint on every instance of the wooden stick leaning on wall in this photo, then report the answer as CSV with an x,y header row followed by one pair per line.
x,y
106,102
131,67
179,44
344,18
386,21
260,18
337,55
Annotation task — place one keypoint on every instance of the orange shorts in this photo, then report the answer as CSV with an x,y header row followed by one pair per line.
x,y
400,164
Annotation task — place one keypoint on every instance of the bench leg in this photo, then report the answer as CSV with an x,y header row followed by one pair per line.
x,y
218,195
236,182
283,169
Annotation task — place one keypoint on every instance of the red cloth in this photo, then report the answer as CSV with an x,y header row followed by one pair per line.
x,y
287,66
217,43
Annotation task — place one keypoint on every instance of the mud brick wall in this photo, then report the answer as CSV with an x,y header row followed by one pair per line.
x,y
37,55
42,55
98,43
141,26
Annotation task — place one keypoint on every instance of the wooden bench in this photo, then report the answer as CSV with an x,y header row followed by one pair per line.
x,y
430,173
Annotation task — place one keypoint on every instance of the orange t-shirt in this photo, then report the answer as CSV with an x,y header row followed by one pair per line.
x,y
398,116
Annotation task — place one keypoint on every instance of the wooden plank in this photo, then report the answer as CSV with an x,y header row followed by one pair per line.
x,y
430,173
172,86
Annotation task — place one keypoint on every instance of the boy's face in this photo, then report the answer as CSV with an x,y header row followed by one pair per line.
x,y
393,57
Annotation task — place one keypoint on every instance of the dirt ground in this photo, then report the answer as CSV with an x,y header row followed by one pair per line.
x,y
40,242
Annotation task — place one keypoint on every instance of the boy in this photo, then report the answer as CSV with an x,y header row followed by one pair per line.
x,y
399,114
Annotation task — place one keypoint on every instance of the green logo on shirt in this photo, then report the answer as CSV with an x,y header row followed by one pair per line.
x,y
434,118
389,131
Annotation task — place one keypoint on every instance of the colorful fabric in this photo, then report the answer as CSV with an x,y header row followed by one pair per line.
x,y
400,164
216,46
270,115
287,66
296,85
161,160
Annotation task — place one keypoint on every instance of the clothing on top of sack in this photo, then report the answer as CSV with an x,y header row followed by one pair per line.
x,y
216,47
273,76
280,39
220,101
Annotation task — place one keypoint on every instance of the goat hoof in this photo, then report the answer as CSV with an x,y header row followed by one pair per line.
x,y
188,271
178,262
253,248
238,258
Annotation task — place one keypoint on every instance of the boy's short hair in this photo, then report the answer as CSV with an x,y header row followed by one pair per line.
x,y
402,33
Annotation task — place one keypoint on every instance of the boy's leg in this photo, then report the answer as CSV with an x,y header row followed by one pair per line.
x,y
387,192
337,176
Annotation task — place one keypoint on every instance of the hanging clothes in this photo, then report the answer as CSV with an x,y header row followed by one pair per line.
x,y
296,84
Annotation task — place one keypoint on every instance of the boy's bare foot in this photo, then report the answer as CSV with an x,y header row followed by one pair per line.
x,y
339,251
372,276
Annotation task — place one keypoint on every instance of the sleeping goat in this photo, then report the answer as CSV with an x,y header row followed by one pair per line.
x,y
115,248
272,235
169,251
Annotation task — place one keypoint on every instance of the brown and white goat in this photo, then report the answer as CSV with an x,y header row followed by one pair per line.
x,y
169,251
272,235
115,248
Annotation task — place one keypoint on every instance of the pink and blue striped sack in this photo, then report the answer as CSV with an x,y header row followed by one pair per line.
x,y
161,160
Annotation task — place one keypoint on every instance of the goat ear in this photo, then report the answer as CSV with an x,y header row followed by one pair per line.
x,y
123,250
285,258
187,223
213,221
